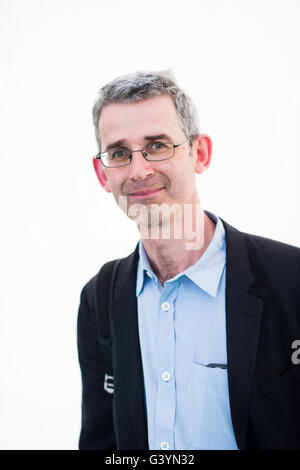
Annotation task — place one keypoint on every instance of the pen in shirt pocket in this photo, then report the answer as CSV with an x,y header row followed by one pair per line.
x,y
215,365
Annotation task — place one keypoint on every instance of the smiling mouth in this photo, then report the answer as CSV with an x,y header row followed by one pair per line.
x,y
146,193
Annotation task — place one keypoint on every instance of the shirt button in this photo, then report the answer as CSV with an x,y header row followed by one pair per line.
x,y
149,274
164,445
165,306
166,376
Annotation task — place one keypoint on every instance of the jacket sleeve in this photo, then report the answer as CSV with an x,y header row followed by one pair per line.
x,y
97,430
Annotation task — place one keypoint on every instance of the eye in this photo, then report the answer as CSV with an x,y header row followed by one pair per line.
x,y
156,146
119,153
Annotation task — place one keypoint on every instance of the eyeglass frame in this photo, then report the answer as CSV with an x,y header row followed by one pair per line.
x,y
99,155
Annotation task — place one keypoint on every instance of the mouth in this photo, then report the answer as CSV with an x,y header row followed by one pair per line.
x,y
145,194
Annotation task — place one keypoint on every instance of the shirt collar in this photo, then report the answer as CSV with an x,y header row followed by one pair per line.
x,y
143,268
205,273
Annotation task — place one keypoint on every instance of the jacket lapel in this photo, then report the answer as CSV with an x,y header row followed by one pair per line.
x,y
126,336
243,316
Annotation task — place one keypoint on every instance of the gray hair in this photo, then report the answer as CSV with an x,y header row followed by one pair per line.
x,y
139,86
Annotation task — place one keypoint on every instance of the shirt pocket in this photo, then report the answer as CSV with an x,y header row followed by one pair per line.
x,y
209,424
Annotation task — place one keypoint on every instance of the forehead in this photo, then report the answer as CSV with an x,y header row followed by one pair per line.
x,y
132,121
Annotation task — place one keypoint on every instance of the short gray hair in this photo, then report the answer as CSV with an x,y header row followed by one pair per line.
x,y
139,86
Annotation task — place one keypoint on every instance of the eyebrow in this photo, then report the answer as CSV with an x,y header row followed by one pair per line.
x,y
118,143
123,142
159,136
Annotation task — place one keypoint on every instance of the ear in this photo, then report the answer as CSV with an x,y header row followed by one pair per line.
x,y
203,148
101,175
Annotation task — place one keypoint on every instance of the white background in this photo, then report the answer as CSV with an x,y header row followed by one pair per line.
x,y
238,59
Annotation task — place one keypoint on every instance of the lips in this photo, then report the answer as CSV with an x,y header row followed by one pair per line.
x,y
145,193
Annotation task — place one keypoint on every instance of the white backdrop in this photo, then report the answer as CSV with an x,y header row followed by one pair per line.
x,y
238,59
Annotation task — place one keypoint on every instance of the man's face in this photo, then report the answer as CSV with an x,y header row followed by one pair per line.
x,y
130,125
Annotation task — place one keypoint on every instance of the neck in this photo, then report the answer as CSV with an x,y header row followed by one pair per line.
x,y
172,256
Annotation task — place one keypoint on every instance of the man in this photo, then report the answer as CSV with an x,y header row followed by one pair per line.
x,y
205,319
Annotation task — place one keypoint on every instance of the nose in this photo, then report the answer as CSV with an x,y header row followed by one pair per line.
x,y
139,168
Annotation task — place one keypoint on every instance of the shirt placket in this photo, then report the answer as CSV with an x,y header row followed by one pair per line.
x,y
166,399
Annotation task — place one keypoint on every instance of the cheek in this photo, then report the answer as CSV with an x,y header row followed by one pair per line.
x,y
184,181
113,179
183,175
116,183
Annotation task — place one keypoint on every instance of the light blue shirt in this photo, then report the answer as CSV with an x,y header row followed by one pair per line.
x,y
182,330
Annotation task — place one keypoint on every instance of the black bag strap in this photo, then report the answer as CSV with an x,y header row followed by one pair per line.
x,y
104,294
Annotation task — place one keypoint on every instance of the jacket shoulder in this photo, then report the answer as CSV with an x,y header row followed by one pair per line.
x,y
269,248
90,287
271,262
88,292
262,245
274,260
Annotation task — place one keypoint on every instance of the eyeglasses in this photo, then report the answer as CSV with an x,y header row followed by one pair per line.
x,y
153,152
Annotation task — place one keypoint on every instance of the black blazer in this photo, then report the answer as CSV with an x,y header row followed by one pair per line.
x,y
262,321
